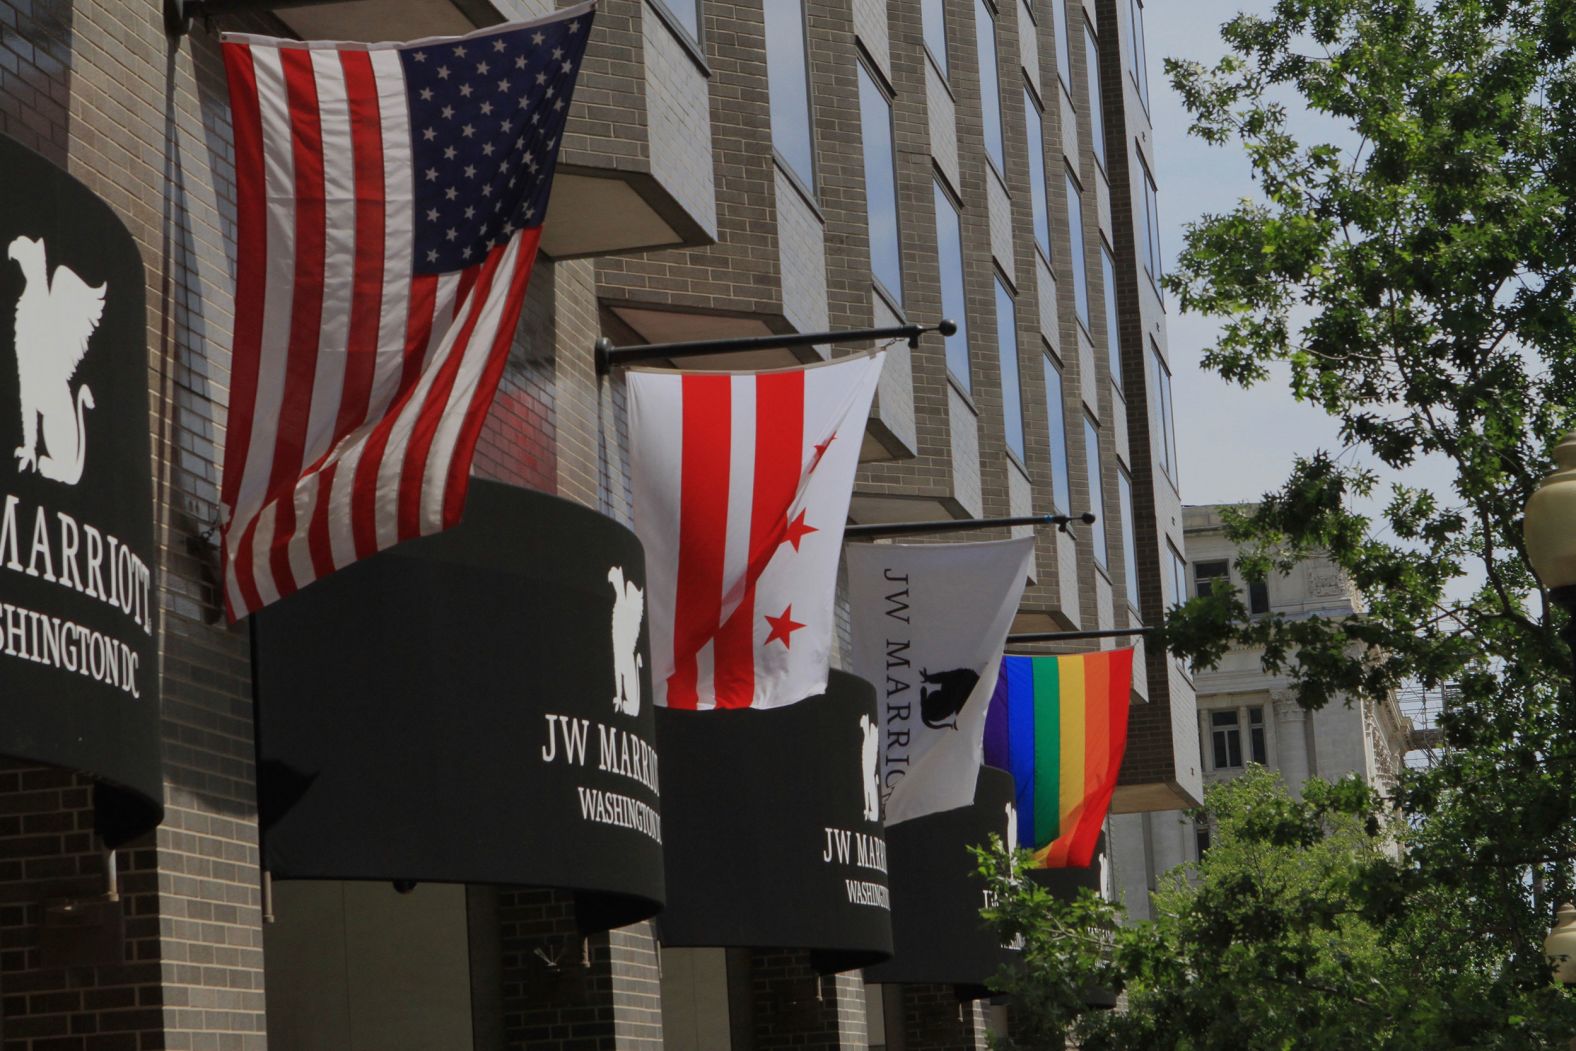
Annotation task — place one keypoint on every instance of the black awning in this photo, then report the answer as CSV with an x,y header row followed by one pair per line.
x,y
79,675
770,840
447,711
937,893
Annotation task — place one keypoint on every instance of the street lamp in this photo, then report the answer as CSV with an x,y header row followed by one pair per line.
x,y
1549,529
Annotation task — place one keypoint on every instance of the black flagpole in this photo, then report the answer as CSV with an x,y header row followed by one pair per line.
x,y
1072,636
959,525
609,357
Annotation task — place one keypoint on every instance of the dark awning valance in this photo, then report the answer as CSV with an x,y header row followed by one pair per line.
x,y
937,893
771,842
79,675
451,711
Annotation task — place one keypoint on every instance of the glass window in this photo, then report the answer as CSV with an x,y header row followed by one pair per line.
x,y
1206,573
1096,491
1140,54
949,249
1178,574
990,84
1064,50
1151,219
1056,421
687,12
1037,186
875,119
1096,114
1113,338
1226,736
1201,838
934,14
1075,234
1256,735
1161,423
1011,388
1124,493
788,84
1258,596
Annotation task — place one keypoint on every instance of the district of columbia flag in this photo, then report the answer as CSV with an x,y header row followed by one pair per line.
x,y
1059,726
389,203
741,489
930,622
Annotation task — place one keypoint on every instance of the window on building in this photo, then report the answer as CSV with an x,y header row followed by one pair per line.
x,y
1256,742
1011,388
1178,567
949,250
990,84
1075,235
1096,113
1206,573
1225,739
1064,50
1056,421
1161,423
1201,837
1124,493
1113,339
1151,221
1140,52
788,85
875,121
934,14
1038,191
687,14
1258,596
1096,490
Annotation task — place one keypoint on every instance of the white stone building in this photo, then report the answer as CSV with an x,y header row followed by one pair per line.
x,y
1246,715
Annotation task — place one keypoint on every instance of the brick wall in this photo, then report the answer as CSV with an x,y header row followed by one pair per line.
x,y
934,1019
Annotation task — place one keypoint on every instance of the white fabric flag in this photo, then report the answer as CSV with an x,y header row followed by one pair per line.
x,y
930,622
741,490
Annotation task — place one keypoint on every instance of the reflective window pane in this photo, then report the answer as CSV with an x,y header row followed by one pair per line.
x,y
949,251
1037,185
1075,234
1096,491
1140,52
934,15
1096,115
1056,422
1011,387
688,14
1064,50
788,84
1113,330
1124,493
875,117
990,84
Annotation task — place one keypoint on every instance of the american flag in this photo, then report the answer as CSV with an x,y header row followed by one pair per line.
x,y
742,483
389,203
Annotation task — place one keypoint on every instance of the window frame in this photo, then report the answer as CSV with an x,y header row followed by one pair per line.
x,y
1039,183
943,194
1200,578
1064,47
1258,740
807,182
1005,294
997,161
1124,501
1056,425
1225,734
943,61
1113,318
865,73
1161,419
1097,139
1178,574
1094,469
1078,260
1140,69
1258,597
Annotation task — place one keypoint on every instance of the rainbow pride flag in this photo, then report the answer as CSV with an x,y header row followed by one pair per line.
x,y
1059,725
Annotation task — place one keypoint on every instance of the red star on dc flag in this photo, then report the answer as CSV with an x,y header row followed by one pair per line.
x,y
820,451
782,627
797,531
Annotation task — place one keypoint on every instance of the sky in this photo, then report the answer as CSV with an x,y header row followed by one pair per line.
x,y
1232,444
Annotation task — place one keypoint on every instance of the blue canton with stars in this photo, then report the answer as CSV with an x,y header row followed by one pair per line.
x,y
487,114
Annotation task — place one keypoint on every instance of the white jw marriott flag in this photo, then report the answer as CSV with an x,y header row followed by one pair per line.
x,y
741,490
930,622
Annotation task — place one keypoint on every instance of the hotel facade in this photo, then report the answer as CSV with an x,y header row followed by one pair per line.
x,y
729,169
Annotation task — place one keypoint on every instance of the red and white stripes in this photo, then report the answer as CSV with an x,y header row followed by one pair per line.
x,y
741,488
358,387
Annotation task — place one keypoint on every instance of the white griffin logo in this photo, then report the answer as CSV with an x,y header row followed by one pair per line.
x,y
629,608
54,319
872,782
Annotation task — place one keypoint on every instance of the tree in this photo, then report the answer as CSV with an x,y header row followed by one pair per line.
x,y
1283,936
1418,286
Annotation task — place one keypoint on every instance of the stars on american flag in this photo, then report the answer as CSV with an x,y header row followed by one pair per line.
x,y
469,147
